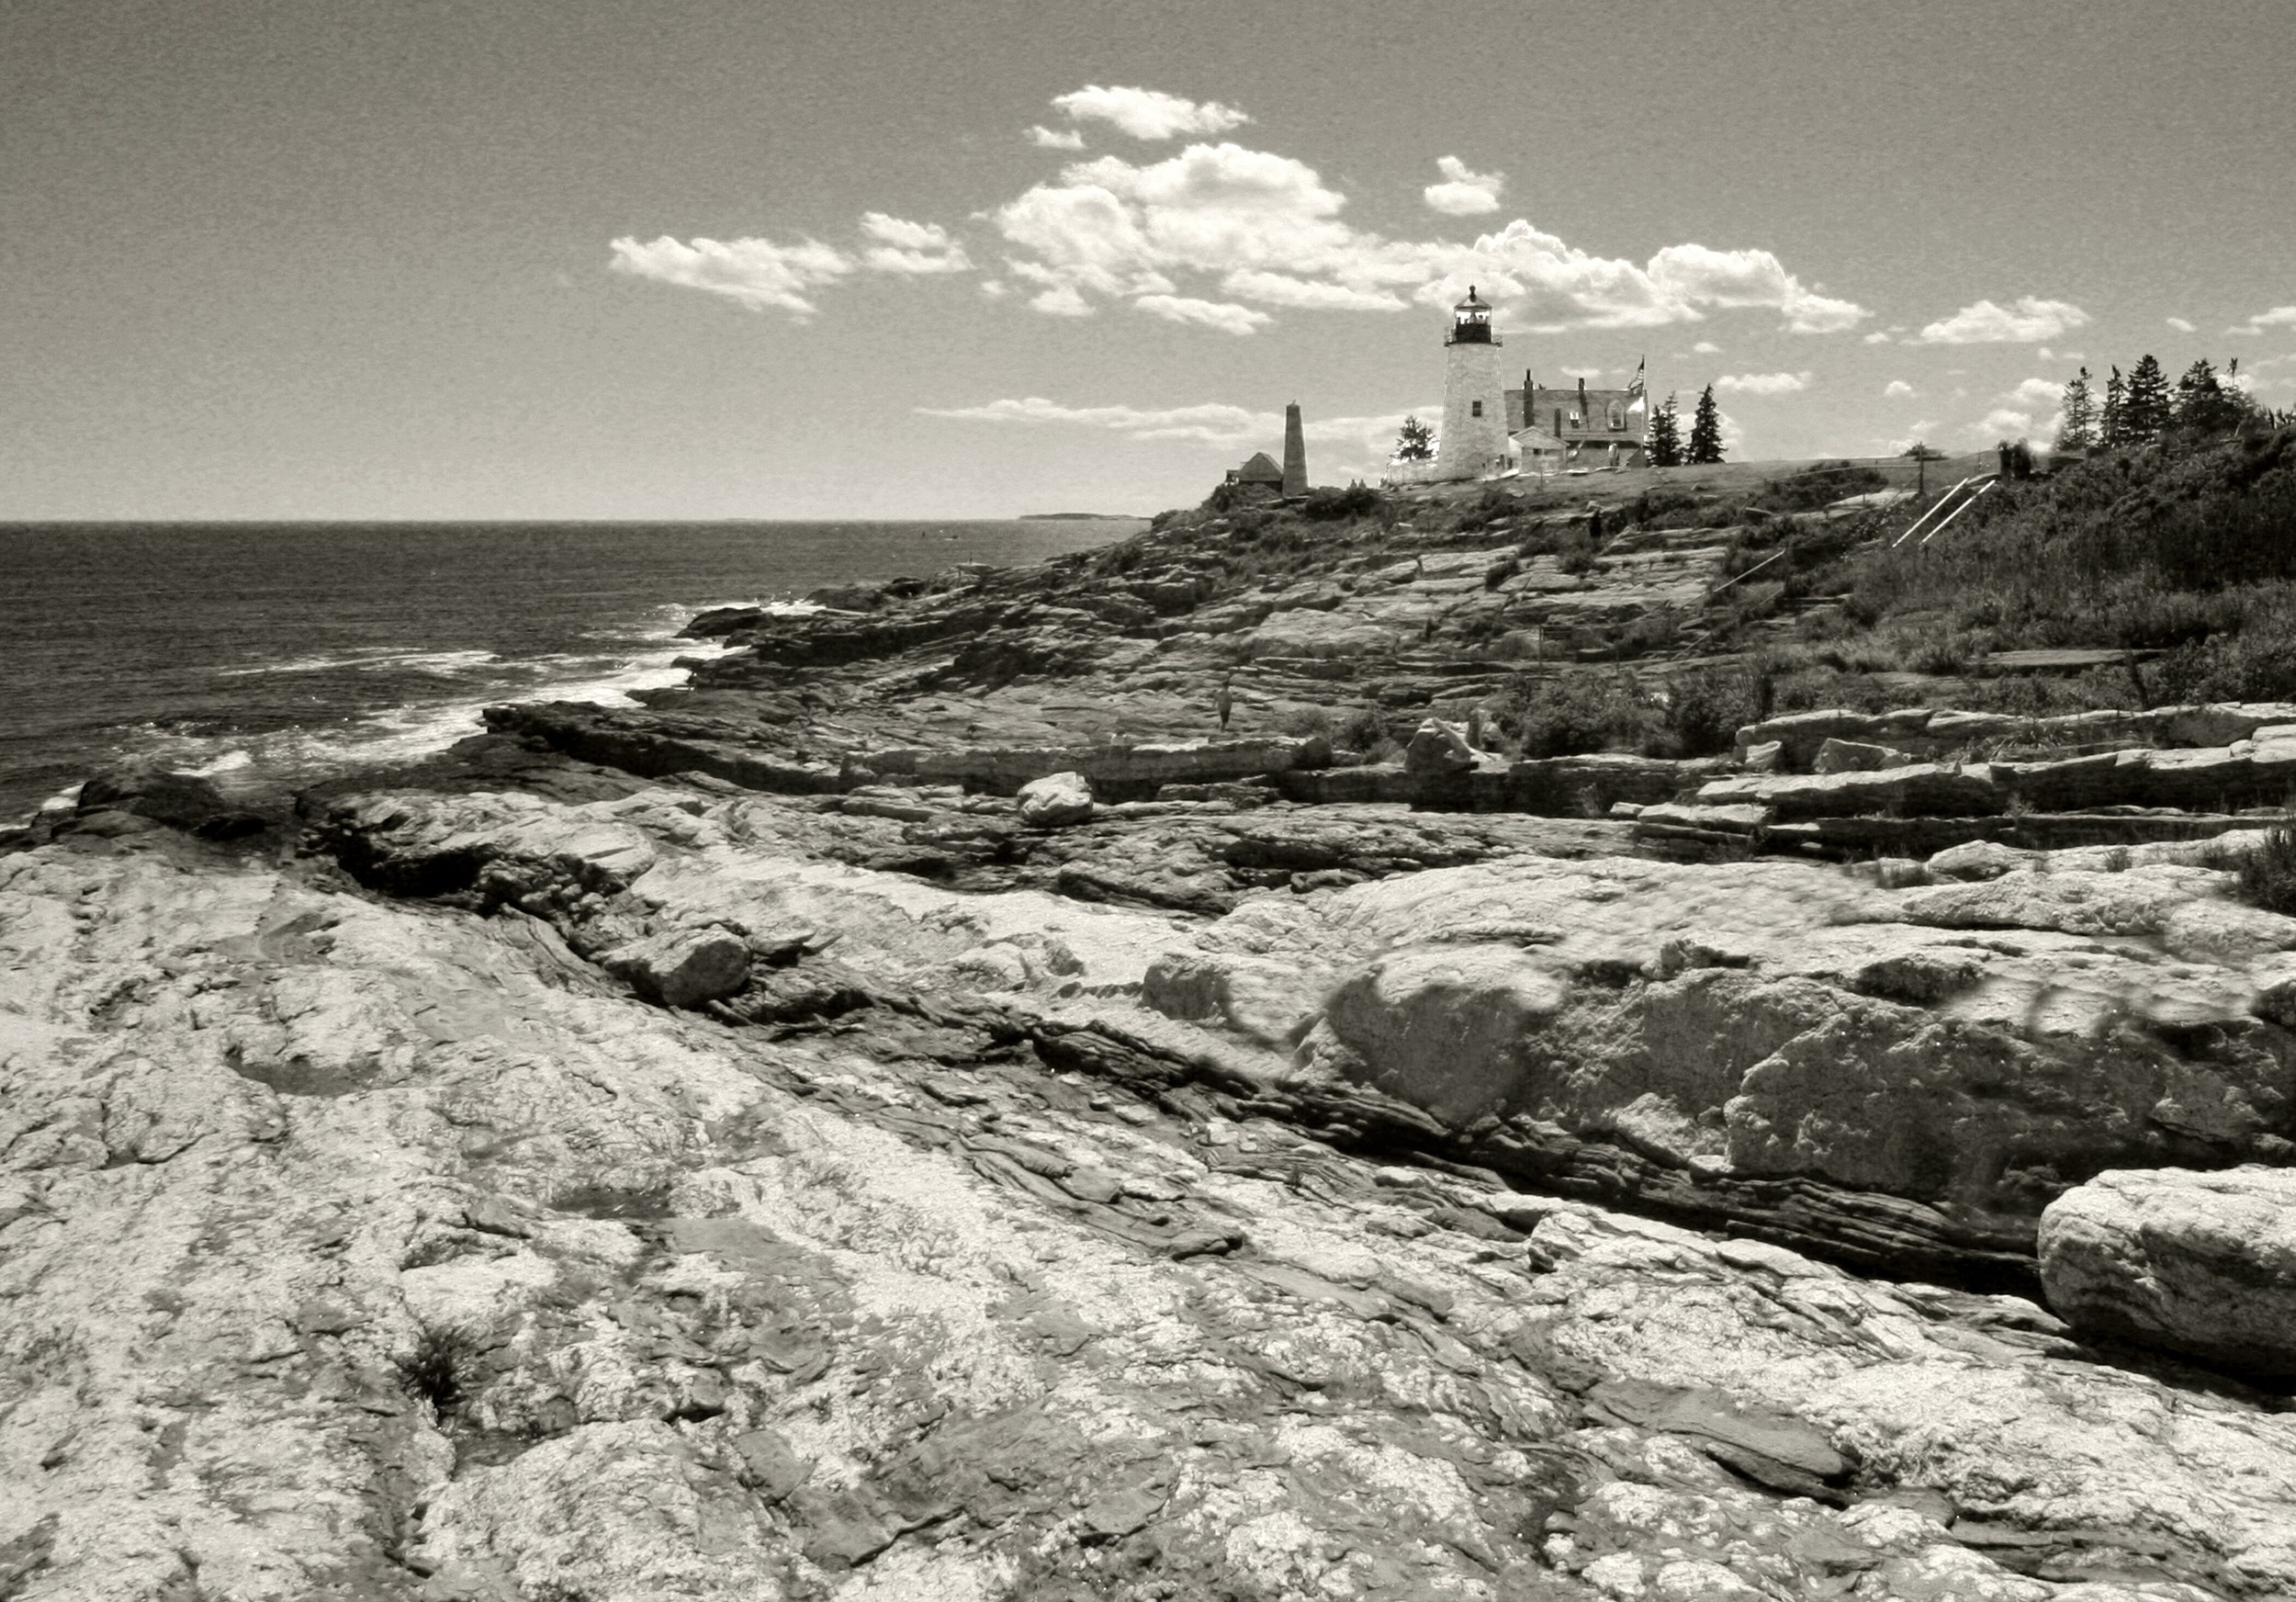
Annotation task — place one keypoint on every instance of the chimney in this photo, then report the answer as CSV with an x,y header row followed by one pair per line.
x,y
1295,453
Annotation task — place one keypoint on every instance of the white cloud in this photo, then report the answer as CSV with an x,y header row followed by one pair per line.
x,y
1878,337
2029,321
1733,436
1208,424
2004,423
1210,233
1056,137
1148,113
1268,227
1698,275
2035,392
2279,317
1706,348
754,272
913,248
1222,315
1306,294
994,289
1364,440
1463,193
2181,325
1895,388
1761,383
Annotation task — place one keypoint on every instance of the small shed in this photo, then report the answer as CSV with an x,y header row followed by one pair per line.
x,y
1258,470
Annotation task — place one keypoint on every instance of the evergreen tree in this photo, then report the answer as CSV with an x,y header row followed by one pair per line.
x,y
2144,406
2078,431
1705,431
2112,426
1665,443
2204,403
1417,442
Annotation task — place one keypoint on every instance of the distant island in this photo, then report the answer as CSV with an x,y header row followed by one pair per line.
x,y
1081,517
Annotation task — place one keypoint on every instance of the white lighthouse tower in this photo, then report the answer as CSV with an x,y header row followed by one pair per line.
x,y
1475,438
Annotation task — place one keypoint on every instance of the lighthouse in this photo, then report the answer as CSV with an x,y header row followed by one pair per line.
x,y
1475,438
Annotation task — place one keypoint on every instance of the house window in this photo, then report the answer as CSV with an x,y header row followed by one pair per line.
x,y
1577,421
1617,417
1479,409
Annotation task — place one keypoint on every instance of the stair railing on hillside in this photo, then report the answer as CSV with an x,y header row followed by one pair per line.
x,y
1748,573
1934,508
1964,506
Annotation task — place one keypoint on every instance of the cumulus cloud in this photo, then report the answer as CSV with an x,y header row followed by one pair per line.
x,y
1306,294
910,248
1896,387
1056,137
1225,316
1148,113
1761,383
754,272
1463,193
2181,325
1210,424
2279,317
1699,276
1878,337
1268,227
2035,392
1212,235
2004,423
2028,321
1706,348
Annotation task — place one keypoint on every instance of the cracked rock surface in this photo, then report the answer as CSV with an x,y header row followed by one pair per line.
x,y
376,1240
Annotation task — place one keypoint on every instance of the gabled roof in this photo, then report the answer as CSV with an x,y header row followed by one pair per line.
x,y
1259,468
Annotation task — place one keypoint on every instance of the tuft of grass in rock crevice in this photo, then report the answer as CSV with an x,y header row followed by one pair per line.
x,y
440,1368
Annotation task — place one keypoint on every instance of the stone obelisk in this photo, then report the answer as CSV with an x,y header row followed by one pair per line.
x,y
1295,453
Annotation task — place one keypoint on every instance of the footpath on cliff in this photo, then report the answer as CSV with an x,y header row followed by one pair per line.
x,y
926,1112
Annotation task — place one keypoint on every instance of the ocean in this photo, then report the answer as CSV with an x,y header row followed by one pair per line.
x,y
292,651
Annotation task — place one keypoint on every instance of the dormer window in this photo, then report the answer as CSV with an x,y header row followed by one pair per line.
x,y
1478,409
1577,421
1617,418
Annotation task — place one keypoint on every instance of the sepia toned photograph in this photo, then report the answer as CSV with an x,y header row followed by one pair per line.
x,y
1201,801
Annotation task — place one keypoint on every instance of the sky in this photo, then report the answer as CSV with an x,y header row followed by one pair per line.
x,y
558,259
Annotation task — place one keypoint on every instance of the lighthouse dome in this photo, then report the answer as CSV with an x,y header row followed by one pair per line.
x,y
1471,321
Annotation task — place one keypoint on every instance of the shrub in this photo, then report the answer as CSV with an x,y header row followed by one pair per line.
x,y
1818,485
1361,730
1705,711
1578,712
1358,500
2268,873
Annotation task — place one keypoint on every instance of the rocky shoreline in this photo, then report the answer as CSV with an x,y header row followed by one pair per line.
x,y
925,1112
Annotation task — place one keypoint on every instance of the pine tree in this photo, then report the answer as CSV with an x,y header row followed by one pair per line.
x,y
2204,404
1417,444
1665,443
1705,431
2145,407
2077,429
2113,423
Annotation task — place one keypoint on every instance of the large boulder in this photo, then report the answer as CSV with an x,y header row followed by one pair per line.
x,y
2203,1263
1436,748
184,801
1445,1026
683,967
1055,800
1850,756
